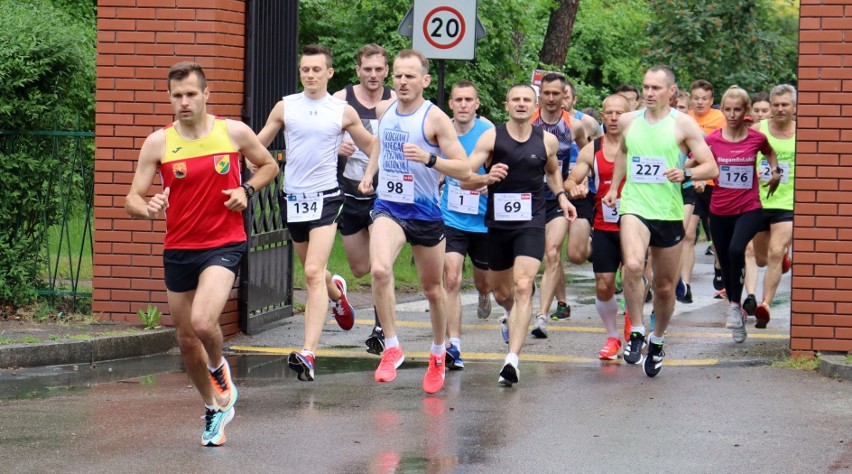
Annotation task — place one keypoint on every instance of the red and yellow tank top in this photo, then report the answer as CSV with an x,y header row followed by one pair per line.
x,y
196,171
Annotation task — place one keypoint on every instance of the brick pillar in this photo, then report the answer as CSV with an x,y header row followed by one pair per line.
x,y
138,40
822,230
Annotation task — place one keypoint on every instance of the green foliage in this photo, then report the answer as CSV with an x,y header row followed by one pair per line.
x,y
26,189
47,66
606,48
751,43
150,317
504,57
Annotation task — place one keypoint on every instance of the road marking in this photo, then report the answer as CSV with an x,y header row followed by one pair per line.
x,y
480,356
585,329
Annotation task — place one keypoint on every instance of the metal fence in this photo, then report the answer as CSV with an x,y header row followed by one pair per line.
x,y
59,222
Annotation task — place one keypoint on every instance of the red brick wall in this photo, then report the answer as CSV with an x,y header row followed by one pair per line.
x,y
822,230
138,40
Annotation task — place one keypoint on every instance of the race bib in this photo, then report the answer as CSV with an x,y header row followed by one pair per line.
x,y
610,214
736,177
461,200
766,171
396,187
304,207
648,169
512,206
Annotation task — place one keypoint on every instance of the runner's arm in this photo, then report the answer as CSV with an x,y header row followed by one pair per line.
x,y
353,124
153,149
579,174
479,157
705,165
554,177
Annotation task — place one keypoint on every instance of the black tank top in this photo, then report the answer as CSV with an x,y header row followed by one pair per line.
x,y
369,119
526,175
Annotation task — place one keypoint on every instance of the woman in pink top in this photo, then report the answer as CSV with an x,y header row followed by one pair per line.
x,y
735,211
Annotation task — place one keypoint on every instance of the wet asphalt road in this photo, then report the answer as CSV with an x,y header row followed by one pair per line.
x,y
716,406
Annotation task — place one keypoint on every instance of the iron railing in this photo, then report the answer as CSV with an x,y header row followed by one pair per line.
x,y
62,264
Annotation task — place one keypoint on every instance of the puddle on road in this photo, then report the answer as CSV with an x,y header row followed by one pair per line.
x,y
40,382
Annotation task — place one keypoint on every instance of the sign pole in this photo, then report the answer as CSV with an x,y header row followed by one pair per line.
x,y
441,71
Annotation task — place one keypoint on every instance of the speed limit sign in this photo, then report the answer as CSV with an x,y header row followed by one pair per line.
x,y
444,29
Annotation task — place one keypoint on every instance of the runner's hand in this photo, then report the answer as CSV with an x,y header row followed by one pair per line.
x,y
237,199
347,148
610,197
773,183
569,211
413,152
578,191
366,186
497,173
158,203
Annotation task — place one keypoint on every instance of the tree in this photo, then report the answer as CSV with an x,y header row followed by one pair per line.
x,y
558,36
724,41
504,57
607,48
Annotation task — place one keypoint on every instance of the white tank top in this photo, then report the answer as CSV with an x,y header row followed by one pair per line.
x,y
312,131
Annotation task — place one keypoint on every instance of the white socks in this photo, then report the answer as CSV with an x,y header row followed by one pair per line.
x,y
608,311
391,342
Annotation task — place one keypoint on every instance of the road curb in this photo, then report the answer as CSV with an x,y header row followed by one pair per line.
x,y
835,366
96,349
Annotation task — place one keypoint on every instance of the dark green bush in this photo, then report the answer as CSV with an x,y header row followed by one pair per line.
x,y
47,82
47,68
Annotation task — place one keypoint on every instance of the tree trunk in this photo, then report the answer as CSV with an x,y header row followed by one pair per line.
x,y
558,36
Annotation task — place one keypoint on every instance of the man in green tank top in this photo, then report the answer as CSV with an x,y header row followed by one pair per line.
x,y
771,245
654,145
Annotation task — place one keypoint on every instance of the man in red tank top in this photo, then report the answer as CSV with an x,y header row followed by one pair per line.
x,y
598,158
202,199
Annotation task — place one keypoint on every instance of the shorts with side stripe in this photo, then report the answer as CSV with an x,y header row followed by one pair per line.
x,y
183,267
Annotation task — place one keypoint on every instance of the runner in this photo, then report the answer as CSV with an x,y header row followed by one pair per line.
x,y
593,128
631,93
313,122
597,158
710,120
517,156
772,244
655,143
372,69
464,218
760,109
197,156
735,212
411,135
568,130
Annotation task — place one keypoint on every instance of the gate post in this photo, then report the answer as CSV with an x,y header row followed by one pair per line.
x,y
138,40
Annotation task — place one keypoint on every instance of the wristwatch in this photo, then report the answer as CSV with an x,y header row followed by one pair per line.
x,y
248,189
687,174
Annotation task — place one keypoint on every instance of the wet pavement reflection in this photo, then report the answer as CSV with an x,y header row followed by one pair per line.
x,y
142,415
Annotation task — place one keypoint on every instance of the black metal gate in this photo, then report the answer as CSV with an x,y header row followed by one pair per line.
x,y
266,281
